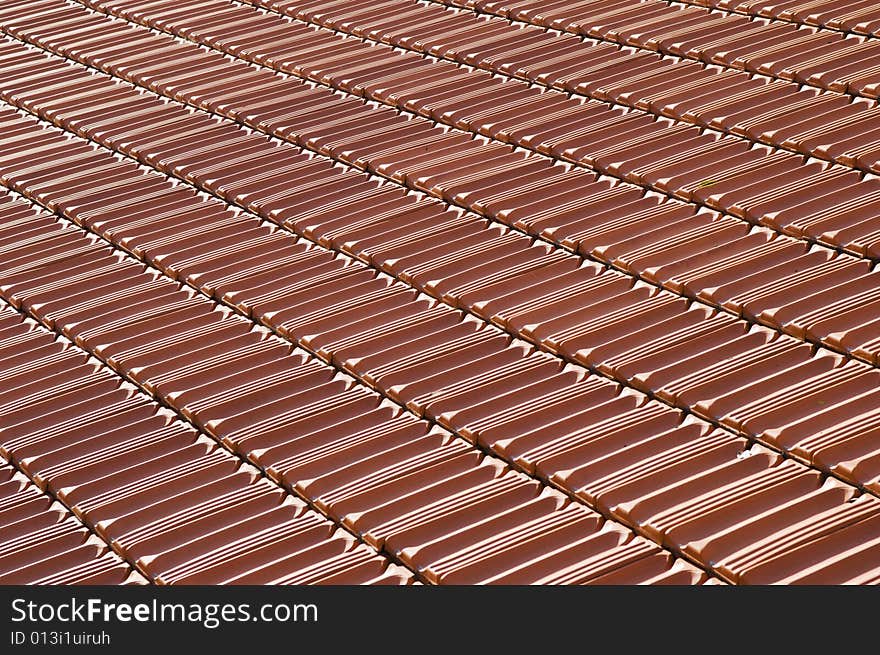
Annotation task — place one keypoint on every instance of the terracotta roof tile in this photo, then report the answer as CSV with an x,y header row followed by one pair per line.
x,y
620,329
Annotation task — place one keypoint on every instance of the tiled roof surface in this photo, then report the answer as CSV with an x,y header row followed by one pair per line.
x,y
385,291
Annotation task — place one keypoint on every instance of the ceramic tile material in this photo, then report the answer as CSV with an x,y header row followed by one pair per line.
x,y
407,292
785,46
43,543
105,486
